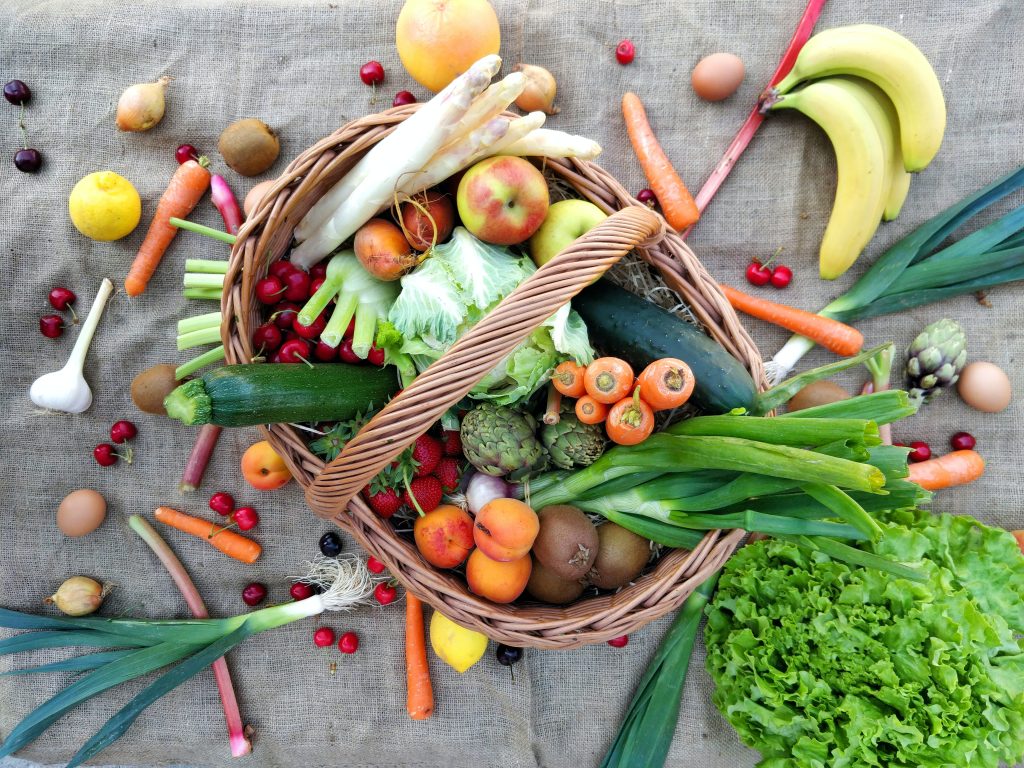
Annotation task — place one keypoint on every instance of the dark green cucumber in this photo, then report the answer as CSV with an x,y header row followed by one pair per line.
x,y
624,325
268,393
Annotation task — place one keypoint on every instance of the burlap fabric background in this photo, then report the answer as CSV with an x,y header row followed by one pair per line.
x,y
294,64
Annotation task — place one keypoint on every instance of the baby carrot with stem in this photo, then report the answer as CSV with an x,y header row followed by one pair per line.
x,y
675,199
589,411
230,543
956,468
186,188
420,695
833,335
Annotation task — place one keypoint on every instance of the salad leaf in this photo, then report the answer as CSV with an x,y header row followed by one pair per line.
x,y
818,663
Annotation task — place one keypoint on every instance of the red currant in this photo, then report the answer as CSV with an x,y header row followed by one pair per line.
x,y
323,637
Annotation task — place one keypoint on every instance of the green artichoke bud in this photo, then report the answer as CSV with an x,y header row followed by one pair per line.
x,y
935,359
571,443
499,440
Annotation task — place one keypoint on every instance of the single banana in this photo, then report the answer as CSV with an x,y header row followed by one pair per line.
x,y
860,160
895,65
882,112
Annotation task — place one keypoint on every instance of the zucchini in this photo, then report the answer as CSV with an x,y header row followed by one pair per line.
x,y
269,393
627,326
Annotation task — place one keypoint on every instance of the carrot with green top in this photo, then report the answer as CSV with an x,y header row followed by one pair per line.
x,y
420,694
186,188
230,543
676,202
833,335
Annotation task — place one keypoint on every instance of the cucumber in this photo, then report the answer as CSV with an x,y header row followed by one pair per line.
x,y
269,393
624,325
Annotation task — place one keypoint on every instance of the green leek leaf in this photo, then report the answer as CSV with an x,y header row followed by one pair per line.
x,y
76,664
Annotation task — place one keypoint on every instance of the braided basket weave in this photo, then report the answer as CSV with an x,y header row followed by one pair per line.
x,y
332,490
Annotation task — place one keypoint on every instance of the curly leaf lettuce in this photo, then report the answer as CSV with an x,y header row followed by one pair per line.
x,y
818,664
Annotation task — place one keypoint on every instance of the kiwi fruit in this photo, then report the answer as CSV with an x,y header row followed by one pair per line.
x,y
249,146
151,386
548,587
817,393
621,557
567,541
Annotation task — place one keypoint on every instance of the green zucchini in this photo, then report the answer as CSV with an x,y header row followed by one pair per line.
x,y
269,393
624,325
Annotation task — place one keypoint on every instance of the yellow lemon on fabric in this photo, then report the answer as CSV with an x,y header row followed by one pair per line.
x,y
457,646
104,206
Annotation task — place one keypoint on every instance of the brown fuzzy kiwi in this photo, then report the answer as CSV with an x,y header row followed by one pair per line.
x,y
567,541
548,587
249,146
621,557
151,386
817,393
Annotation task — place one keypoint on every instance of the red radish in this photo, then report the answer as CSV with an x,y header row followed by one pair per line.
x,y
324,352
105,455
254,593
345,352
224,201
383,250
781,276
921,451
269,290
757,273
647,197
123,430
294,351
372,73
186,152
625,52
284,314
375,356
313,330
402,98
222,503
962,441
51,326
349,643
266,338
296,286
246,518
323,637
373,565
300,591
281,269
619,642
61,299
385,593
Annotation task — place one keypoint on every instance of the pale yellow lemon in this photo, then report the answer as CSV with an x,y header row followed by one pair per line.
x,y
104,206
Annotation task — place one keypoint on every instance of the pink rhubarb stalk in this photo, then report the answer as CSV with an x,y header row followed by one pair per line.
x,y
224,200
206,441
756,116
240,744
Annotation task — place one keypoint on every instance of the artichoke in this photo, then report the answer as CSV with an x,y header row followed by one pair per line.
x,y
499,440
935,359
571,443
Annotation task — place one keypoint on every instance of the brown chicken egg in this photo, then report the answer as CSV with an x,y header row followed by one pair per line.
x,y
81,512
717,76
985,386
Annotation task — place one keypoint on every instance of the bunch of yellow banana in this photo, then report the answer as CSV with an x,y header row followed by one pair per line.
x,y
878,99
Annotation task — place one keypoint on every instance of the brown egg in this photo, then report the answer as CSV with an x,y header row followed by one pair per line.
x,y
81,512
985,386
255,195
717,76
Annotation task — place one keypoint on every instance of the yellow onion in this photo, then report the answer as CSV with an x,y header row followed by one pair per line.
x,y
141,106
539,93
79,596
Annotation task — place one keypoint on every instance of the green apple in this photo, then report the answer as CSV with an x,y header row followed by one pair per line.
x,y
502,200
566,221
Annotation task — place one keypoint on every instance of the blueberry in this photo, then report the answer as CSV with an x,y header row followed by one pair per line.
x,y
330,544
17,92
28,160
508,655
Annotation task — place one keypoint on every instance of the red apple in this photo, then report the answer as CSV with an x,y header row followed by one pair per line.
x,y
503,200
429,210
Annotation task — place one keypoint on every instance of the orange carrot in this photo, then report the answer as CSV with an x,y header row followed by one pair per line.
x,y
589,411
420,697
956,468
674,198
831,334
186,188
228,542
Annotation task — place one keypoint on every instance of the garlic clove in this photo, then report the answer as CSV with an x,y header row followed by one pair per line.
x,y
539,93
141,106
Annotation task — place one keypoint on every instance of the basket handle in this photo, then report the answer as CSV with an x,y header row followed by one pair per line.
x,y
450,378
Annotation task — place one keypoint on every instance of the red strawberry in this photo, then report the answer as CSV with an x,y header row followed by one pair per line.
x,y
426,490
452,442
385,502
449,472
426,452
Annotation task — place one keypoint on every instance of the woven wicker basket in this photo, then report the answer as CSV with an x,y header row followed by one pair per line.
x,y
332,491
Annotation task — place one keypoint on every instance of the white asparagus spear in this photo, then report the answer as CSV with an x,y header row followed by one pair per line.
x,y
491,103
545,142
453,158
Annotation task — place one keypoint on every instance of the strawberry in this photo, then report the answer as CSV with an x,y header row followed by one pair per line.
x,y
426,452
427,492
449,472
452,442
385,501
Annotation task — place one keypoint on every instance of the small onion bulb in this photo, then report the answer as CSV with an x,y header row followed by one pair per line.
x,y
539,93
79,596
141,106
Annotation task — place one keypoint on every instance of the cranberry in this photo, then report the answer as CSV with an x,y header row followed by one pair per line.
x,y
222,503
757,273
51,326
105,455
375,356
920,451
372,73
269,290
385,593
619,642
318,270
300,591
28,160
781,276
17,93
186,152
123,430
346,353
373,565
324,352
311,331
246,518
349,643
625,52
647,197
323,637
296,286
281,269
254,593
402,98
266,338
62,298
962,441
284,314
295,351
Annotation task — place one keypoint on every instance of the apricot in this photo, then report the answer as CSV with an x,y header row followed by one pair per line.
x,y
505,529
444,536
263,468
500,582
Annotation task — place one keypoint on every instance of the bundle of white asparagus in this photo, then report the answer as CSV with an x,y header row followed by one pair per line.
x,y
458,127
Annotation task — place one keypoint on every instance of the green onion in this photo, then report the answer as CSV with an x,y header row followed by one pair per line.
x,y
210,335
213,267
666,534
211,356
771,399
75,664
880,407
799,433
757,522
845,508
203,294
203,280
216,234
839,551
199,322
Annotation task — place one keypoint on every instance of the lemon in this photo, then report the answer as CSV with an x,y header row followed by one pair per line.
x,y
459,647
104,206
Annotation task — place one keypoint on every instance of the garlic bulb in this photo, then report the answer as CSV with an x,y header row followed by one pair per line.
x,y
141,106
539,93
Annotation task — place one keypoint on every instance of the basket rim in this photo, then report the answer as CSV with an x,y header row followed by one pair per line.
x,y
267,234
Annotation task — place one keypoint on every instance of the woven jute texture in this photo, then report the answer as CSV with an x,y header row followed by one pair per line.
x,y
294,65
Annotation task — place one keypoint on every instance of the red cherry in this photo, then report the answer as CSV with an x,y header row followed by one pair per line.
x,y
122,431
372,73
311,331
281,268
619,642
373,565
61,298
757,273
402,98
266,338
647,197
781,276
349,643
324,352
315,283
323,637
254,593
246,518
186,152
375,356
222,503
920,452
346,353
385,593
105,455
51,326
269,290
962,441
625,52
294,351
284,314
296,286
300,591
318,270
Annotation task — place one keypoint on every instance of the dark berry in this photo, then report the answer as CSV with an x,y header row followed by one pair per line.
x,y
28,160
507,655
330,544
17,93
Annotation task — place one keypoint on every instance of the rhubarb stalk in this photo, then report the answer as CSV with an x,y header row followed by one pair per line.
x,y
206,440
240,744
